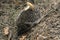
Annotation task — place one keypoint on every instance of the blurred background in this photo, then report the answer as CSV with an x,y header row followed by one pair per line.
x,y
47,29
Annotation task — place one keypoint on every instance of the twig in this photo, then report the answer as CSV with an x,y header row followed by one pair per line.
x,y
41,19
10,36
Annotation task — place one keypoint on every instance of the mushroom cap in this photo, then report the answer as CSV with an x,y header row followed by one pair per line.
x,y
31,5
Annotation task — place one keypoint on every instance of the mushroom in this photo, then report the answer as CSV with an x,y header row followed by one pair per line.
x,y
29,6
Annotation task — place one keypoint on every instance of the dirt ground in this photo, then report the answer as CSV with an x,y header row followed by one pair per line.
x,y
47,29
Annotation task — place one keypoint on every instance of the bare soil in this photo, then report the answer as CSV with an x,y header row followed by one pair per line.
x,y
47,29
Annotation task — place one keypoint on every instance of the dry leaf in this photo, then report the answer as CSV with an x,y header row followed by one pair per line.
x,y
23,37
6,30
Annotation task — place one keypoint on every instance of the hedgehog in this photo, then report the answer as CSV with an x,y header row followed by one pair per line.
x,y
27,18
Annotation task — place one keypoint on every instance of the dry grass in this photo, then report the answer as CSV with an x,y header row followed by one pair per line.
x,y
47,29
